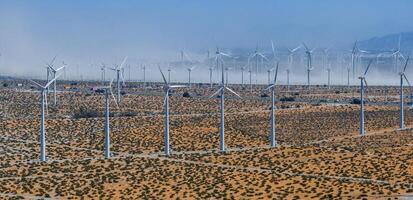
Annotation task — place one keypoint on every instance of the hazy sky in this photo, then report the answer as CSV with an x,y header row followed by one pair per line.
x,y
81,32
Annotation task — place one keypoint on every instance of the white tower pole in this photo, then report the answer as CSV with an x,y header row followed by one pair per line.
x,y
401,102
42,128
362,132
107,125
166,136
273,140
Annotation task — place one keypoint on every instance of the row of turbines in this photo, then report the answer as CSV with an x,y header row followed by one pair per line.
x,y
220,64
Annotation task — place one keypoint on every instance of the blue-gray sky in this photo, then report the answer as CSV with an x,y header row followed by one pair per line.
x,y
82,31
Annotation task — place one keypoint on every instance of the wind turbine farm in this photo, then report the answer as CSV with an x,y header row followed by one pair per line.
x,y
266,116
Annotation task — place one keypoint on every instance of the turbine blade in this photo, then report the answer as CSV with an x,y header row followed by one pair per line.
x,y
164,99
37,84
407,80
224,54
269,87
177,86
114,98
273,48
305,46
232,91
51,81
58,69
215,93
123,62
405,65
163,76
111,82
276,73
367,69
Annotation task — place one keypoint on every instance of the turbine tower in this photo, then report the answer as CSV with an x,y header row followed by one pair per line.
x,y
108,91
43,102
166,88
402,77
272,87
221,91
328,78
362,82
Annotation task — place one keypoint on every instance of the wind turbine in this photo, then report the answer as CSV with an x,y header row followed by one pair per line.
x,y
257,55
54,71
103,68
290,63
403,76
269,74
291,55
328,74
221,91
308,52
119,75
242,76
210,74
272,87
43,103
355,53
362,82
108,91
189,74
48,71
169,73
144,75
250,73
166,88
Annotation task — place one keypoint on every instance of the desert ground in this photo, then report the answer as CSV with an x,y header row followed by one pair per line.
x,y
320,154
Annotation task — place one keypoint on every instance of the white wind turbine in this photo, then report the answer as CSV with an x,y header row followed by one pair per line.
x,y
144,75
166,88
54,71
119,75
328,76
355,54
290,63
189,74
43,102
308,53
169,73
272,87
242,75
403,77
362,82
103,68
210,75
48,72
221,91
257,55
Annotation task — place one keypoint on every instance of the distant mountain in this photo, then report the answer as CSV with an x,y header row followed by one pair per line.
x,y
389,42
